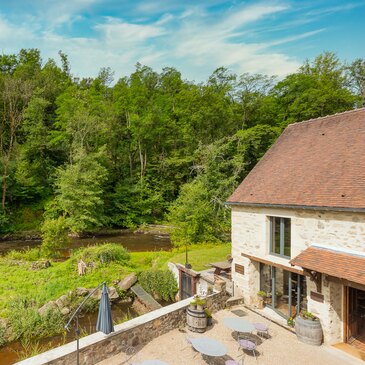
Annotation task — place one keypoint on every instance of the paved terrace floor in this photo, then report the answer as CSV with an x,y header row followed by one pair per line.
x,y
281,348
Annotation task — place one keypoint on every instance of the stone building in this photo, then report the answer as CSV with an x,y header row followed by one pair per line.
x,y
298,226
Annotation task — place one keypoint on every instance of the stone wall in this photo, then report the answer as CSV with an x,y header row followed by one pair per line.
x,y
330,311
135,332
250,235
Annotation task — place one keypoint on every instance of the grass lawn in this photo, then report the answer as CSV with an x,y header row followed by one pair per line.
x,y
18,279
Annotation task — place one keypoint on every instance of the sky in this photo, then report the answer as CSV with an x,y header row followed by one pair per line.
x,y
196,37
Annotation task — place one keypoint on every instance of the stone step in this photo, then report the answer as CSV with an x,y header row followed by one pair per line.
x,y
231,302
145,298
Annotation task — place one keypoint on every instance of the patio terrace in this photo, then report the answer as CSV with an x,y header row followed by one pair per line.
x,y
282,347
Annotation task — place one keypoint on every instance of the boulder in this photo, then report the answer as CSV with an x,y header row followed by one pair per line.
x,y
113,294
97,294
128,281
62,301
50,306
43,264
82,292
65,311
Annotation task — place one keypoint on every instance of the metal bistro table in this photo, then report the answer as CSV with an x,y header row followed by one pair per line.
x,y
239,325
208,346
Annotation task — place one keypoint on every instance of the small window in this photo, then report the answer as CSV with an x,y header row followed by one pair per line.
x,y
280,236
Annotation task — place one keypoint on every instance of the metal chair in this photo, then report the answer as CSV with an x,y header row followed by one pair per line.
x,y
233,362
247,345
262,329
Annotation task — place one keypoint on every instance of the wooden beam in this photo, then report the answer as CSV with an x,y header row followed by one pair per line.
x,y
271,263
345,282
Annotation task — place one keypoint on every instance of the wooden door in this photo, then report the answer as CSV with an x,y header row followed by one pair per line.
x,y
352,311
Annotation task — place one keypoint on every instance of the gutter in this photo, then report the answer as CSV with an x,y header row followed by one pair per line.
x,y
289,206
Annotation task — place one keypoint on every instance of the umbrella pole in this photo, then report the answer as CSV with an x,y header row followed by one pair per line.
x,y
77,331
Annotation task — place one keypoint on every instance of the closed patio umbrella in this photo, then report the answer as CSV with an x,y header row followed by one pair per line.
x,y
105,322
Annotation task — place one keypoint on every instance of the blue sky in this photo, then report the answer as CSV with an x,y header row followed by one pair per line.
x,y
196,37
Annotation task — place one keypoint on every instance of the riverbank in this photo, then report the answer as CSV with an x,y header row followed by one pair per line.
x,y
25,287
35,235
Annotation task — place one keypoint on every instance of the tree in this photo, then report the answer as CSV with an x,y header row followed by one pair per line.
x,y
15,93
54,235
79,192
192,216
318,89
356,72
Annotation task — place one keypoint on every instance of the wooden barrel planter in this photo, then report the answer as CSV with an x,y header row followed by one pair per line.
x,y
308,331
196,320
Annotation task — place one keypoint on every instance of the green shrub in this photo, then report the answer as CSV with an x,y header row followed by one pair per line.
x,y
27,323
30,254
159,282
2,335
54,235
31,348
103,254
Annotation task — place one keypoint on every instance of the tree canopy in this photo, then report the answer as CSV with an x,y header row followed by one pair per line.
x,y
150,146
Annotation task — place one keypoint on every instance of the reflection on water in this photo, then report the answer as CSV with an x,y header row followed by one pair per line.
x,y
134,242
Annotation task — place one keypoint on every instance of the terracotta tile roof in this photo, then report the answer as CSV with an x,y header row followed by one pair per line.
x,y
317,163
331,262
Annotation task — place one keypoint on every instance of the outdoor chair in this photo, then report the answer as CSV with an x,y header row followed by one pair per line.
x,y
233,362
248,345
262,329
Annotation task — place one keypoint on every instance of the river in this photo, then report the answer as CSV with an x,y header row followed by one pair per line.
x,y
134,242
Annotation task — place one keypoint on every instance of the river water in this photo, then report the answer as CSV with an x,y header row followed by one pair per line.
x,y
134,242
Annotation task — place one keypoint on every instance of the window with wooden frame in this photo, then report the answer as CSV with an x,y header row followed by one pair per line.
x,y
280,240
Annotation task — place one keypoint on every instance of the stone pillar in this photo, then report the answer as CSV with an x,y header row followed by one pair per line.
x,y
330,311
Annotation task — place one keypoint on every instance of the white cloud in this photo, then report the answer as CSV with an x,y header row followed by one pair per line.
x,y
192,40
118,32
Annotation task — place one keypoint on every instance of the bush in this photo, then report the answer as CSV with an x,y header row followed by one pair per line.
x,y
108,252
160,283
54,235
2,335
30,254
27,323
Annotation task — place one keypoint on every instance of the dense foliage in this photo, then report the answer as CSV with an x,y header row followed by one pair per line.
x,y
160,283
98,153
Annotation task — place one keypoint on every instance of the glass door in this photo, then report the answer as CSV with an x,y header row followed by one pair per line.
x,y
286,291
282,291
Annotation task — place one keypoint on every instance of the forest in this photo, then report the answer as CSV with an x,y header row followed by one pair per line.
x,y
78,155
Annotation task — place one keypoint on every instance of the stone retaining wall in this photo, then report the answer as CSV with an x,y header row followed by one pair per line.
x,y
136,332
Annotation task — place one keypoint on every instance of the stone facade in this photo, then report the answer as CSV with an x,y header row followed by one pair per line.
x,y
250,235
134,333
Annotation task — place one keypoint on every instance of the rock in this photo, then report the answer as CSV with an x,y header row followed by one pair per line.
x,y
128,281
50,306
65,311
97,294
81,267
82,292
113,294
36,265
62,301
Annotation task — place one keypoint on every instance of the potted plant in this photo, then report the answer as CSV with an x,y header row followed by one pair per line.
x,y
196,317
290,322
200,303
261,296
209,317
192,304
308,328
